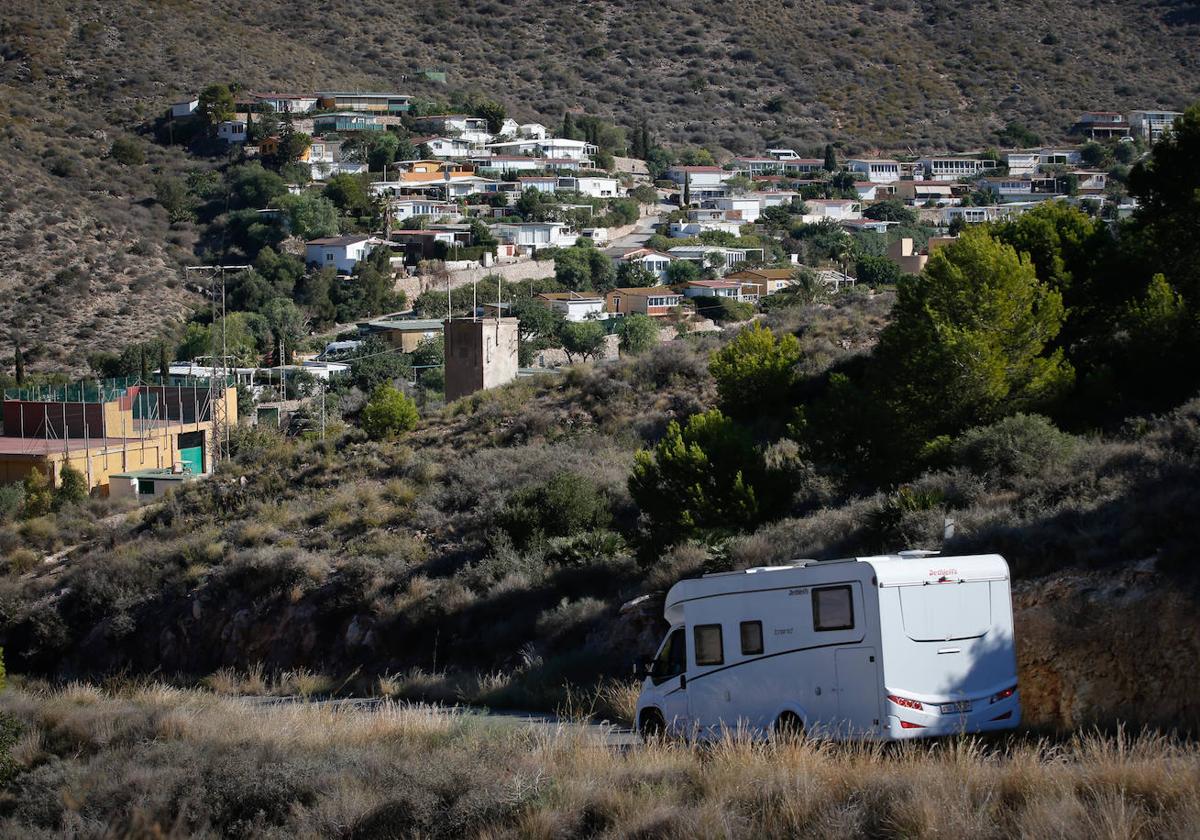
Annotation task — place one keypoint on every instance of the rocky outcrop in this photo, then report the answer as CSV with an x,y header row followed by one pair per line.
x,y
1102,647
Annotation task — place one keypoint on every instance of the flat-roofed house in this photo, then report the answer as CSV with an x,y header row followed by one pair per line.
x,y
655,301
876,170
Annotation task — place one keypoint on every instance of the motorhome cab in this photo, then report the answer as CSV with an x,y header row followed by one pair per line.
x,y
901,646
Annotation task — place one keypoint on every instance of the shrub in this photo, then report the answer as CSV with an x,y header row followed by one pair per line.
x,y
38,498
567,504
638,333
388,413
72,488
126,151
704,476
756,371
723,309
1021,445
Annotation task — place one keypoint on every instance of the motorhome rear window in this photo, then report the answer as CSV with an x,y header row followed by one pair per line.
x,y
833,608
946,611
752,641
710,649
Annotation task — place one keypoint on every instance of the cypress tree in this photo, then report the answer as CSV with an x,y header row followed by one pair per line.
x,y
164,364
568,126
831,164
20,364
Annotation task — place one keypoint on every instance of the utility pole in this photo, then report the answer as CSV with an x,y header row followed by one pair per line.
x,y
324,388
218,364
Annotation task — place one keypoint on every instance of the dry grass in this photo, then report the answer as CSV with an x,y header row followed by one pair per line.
x,y
122,758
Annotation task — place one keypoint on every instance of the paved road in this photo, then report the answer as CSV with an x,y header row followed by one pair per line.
x,y
645,229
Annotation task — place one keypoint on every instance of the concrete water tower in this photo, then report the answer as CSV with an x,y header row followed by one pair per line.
x,y
479,354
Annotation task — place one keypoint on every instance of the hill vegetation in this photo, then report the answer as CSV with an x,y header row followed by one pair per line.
x,y
91,260
151,761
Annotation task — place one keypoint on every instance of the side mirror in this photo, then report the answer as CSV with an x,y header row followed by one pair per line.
x,y
641,670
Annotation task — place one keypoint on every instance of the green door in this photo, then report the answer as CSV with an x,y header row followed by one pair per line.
x,y
191,452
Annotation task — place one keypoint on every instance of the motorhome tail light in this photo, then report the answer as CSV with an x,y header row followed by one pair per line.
x,y
1004,695
906,725
906,703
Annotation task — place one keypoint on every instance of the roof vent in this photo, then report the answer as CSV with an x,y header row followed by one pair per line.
x,y
917,553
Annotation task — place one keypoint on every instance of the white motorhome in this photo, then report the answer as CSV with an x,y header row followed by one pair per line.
x,y
894,647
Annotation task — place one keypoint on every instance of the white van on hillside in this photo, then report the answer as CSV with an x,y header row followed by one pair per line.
x,y
902,646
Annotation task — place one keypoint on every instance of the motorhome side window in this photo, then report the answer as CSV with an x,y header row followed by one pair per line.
x,y
672,659
833,608
709,647
752,641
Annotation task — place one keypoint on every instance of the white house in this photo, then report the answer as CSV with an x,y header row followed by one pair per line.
x,y
534,234
286,103
546,147
407,208
575,306
866,191
877,170
1009,188
541,183
448,147
1150,125
695,227
953,168
783,154
509,163
749,206
1022,163
732,289
508,128
656,262
185,108
324,159
232,131
776,198
339,252
1059,157
591,186
838,209
532,131
463,126
758,165
714,255
802,166
699,178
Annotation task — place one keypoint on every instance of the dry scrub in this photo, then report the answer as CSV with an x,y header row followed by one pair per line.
x,y
146,759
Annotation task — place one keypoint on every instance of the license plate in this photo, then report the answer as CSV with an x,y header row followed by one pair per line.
x,y
956,708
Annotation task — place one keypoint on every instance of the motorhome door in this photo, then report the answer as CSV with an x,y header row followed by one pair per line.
x,y
857,692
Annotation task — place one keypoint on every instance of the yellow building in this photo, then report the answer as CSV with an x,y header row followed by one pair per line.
x,y
110,429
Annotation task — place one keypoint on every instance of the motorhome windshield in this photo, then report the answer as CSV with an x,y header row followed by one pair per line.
x,y
945,611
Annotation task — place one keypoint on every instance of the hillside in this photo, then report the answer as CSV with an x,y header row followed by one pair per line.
x,y
407,567
88,260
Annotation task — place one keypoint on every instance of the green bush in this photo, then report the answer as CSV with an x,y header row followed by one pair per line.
x,y
126,151
389,413
638,333
566,505
72,488
756,371
1021,445
38,497
704,476
723,309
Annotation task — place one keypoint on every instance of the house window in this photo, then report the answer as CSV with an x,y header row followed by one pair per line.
x,y
833,608
145,487
710,649
752,638
328,256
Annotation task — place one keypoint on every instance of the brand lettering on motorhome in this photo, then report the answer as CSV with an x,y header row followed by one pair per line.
x,y
942,572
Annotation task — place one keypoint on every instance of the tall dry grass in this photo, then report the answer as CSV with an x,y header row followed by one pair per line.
x,y
151,758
